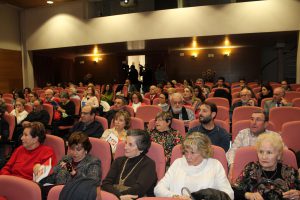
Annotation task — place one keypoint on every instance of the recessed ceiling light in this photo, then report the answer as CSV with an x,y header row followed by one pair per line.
x,y
50,2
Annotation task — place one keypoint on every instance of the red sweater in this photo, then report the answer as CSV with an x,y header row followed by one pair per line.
x,y
22,161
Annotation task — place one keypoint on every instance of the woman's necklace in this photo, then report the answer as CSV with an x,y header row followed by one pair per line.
x,y
269,178
121,187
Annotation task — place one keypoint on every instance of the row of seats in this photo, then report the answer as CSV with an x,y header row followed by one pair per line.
x,y
100,149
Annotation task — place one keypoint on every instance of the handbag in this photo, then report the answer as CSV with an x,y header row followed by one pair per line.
x,y
206,194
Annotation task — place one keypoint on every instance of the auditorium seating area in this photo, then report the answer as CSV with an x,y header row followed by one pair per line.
x,y
284,120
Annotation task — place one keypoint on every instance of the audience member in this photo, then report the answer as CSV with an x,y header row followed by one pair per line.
x,y
179,111
65,112
205,89
19,112
107,94
90,98
134,174
217,135
4,128
164,101
26,92
77,163
136,100
152,93
266,92
28,158
285,85
18,93
88,124
245,100
196,171
164,134
220,83
268,178
33,96
120,103
248,136
199,93
278,100
189,98
118,133
50,99
73,93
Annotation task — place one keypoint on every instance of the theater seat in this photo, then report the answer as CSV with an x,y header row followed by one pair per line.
x,y
15,188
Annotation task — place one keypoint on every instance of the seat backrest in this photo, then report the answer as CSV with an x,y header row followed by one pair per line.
x,y
245,155
256,90
234,100
218,153
102,150
238,126
146,101
54,192
223,114
280,115
294,86
107,196
222,124
13,188
102,121
176,124
156,153
77,105
263,101
219,101
290,135
235,95
296,102
57,144
194,123
49,109
11,120
9,107
28,108
8,99
290,95
155,101
147,112
236,89
243,113
8,95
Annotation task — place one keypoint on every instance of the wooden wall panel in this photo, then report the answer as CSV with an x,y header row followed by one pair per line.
x,y
10,70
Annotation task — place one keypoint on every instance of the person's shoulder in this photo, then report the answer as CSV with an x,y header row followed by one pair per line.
x,y
196,128
219,129
92,159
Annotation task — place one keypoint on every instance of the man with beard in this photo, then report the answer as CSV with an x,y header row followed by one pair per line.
x,y
179,111
248,136
217,135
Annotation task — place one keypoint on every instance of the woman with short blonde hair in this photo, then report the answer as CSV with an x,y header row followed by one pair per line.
x,y
196,170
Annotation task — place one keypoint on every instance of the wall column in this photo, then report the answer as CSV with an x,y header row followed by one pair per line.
x,y
298,60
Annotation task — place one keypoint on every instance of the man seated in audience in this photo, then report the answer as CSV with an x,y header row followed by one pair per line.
x,y
179,111
152,93
50,99
33,96
248,136
73,93
221,83
119,104
278,100
27,159
205,89
4,133
38,114
217,135
87,123
246,100
285,85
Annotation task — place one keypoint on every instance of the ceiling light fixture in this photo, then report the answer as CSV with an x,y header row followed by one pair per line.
x,y
50,2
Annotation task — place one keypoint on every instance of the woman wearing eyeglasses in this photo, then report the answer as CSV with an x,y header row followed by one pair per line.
x,y
19,112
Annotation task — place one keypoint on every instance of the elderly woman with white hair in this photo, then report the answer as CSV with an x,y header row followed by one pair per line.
x,y
196,171
268,179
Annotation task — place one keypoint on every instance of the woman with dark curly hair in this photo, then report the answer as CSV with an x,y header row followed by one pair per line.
x,y
136,100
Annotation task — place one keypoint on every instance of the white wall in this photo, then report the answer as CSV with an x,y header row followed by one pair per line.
x,y
65,25
9,28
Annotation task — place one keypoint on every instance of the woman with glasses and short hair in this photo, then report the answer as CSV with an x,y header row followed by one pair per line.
x,y
19,112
